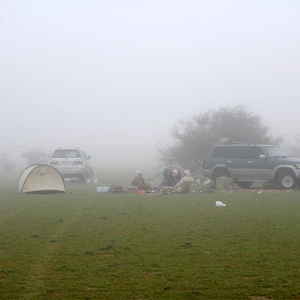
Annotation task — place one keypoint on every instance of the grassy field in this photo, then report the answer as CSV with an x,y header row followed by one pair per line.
x,y
88,245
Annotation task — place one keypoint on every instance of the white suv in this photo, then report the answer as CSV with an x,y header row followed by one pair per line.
x,y
72,163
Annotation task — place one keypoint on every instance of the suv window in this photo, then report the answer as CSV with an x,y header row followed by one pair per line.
x,y
249,152
237,152
223,152
66,154
275,152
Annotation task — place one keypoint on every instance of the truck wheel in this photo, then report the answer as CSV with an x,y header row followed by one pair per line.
x,y
287,180
244,184
220,173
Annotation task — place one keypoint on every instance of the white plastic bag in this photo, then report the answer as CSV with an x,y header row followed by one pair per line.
x,y
219,203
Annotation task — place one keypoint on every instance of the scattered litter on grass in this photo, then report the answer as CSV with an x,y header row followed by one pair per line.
x,y
220,203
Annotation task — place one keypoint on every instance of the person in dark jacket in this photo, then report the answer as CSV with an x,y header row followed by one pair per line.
x,y
172,176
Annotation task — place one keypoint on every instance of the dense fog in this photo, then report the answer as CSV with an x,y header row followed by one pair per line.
x,y
113,77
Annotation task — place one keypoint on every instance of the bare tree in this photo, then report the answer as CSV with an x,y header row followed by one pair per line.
x,y
294,148
193,138
35,157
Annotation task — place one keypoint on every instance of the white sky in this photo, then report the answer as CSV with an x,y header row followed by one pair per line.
x,y
113,77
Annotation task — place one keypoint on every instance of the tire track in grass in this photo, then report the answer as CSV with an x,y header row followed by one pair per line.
x,y
39,269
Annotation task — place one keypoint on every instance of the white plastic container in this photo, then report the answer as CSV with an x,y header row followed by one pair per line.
x,y
102,189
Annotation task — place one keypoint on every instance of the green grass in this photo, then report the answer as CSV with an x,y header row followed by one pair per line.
x,y
88,245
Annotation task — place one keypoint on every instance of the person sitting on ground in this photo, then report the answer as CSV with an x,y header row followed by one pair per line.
x,y
172,176
139,182
184,185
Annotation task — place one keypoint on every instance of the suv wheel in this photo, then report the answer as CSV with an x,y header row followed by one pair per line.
x,y
91,173
83,178
287,180
220,173
244,184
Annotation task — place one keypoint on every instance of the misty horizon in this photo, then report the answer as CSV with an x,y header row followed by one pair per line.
x,y
114,78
